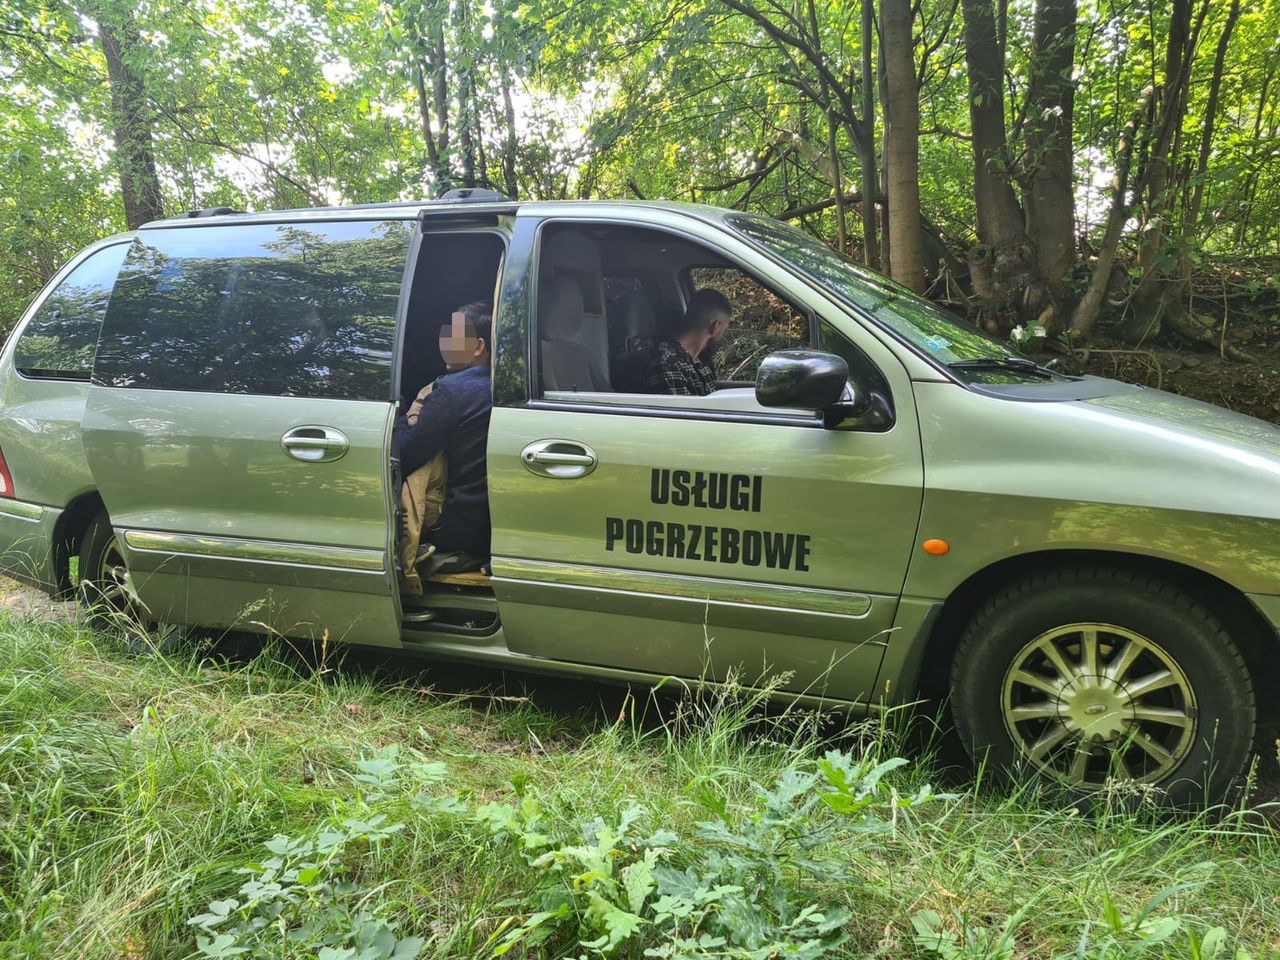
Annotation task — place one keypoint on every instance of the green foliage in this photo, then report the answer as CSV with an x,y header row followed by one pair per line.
x,y
301,900
137,794
1114,936
746,889
297,903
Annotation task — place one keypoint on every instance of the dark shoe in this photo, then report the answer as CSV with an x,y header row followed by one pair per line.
x,y
436,562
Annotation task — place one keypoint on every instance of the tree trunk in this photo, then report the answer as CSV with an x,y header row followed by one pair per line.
x,y
1003,252
902,145
867,149
882,191
1192,215
440,91
431,81
833,135
482,162
466,140
509,142
1090,305
833,152
1249,191
467,106
1172,296
1149,299
131,121
1050,197
424,117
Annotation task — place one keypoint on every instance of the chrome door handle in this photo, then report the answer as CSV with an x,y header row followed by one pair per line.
x,y
315,444
564,459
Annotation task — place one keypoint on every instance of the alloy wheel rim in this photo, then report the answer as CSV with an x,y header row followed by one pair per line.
x,y
110,581
1088,702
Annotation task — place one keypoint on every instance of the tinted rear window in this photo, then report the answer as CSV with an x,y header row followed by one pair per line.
x,y
298,310
60,339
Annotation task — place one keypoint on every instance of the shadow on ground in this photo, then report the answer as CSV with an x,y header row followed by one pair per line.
x,y
579,705
576,706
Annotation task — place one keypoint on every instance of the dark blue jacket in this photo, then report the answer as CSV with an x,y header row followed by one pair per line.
x,y
455,419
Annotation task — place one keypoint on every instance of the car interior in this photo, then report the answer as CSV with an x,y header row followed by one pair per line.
x,y
607,292
452,269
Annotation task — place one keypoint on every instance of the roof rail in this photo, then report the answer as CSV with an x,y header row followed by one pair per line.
x,y
210,212
474,195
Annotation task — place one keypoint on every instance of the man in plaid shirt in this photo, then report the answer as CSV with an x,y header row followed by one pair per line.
x,y
677,367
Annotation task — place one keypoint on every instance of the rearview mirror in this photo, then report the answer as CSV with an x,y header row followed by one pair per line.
x,y
801,379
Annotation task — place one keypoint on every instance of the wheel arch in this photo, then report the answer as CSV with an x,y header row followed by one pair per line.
x,y
69,533
1258,640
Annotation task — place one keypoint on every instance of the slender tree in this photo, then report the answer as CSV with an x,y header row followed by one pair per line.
x,y
1191,218
902,145
131,118
1001,264
867,147
1049,195
1087,310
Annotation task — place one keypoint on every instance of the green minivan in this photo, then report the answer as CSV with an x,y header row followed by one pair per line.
x,y
877,504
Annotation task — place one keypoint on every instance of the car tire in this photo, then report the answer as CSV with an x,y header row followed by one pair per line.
x,y
101,589
1091,676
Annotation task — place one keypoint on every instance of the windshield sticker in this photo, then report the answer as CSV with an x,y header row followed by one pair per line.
x,y
775,550
936,342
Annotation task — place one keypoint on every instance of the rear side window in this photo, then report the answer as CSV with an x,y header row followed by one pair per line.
x,y
60,339
293,310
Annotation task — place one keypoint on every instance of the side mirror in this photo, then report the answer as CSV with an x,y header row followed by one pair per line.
x,y
802,379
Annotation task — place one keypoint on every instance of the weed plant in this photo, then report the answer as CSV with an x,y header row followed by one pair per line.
x,y
182,806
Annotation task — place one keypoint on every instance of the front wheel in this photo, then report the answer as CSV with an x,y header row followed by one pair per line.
x,y
1090,676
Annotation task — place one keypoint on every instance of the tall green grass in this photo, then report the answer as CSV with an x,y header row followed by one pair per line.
x,y
134,789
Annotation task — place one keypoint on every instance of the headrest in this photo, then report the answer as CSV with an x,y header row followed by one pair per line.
x,y
635,316
560,312
570,249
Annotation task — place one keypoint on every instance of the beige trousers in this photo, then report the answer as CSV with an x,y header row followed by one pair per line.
x,y
422,500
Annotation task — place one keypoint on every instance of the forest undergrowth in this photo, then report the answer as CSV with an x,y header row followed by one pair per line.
x,y
269,805
1221,345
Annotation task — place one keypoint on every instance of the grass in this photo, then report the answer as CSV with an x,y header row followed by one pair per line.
x,y
132,790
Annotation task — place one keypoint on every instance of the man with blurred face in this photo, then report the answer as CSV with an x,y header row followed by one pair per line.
x,y
453,419
680,364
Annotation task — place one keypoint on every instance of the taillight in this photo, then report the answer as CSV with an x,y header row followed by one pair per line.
x,y
6,478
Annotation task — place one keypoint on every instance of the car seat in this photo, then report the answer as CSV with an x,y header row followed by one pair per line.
x,y
569,361
633,329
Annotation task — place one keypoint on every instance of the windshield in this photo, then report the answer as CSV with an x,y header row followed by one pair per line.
x,y
931,329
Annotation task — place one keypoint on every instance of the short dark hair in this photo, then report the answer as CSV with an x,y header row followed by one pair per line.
x,y
479,315
702,306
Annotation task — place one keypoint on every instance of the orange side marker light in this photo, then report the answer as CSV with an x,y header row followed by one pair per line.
x,y
936,548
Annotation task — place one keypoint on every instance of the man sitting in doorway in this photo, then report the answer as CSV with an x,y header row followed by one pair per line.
x,y
453,420
678,366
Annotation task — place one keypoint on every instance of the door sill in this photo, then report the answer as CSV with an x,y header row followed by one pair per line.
x,y
451,604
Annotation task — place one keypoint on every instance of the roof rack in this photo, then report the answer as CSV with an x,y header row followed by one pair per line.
x,y
210,212
473,195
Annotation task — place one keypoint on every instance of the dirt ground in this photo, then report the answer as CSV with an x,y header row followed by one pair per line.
x,y
1249,386
23,601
